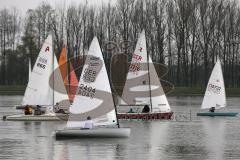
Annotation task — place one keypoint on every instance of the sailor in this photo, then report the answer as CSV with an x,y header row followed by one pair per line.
x,y
38,111
27,110
146,109
57,109
130,111
212,109
88,123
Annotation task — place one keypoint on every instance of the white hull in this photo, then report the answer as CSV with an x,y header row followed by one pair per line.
x,y
94,133
44,117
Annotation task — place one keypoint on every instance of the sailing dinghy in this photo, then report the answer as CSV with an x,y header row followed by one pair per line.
x,y
45,74
215,94
143,87
93,99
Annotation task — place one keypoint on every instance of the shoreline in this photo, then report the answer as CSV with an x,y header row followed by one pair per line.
x,y
12,90
177,91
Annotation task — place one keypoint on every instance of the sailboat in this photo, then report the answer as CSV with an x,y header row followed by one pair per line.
x,y
93,99
70,80
143,87
45,87
215,95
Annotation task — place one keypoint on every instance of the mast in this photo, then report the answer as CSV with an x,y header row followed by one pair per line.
x,y
149,83
53,71
68,70
115,107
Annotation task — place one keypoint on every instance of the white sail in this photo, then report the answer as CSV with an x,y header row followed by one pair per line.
x,y
39,90
159,99
215,92
93,96
137,89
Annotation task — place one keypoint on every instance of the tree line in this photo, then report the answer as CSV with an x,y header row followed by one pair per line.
x,y
186,36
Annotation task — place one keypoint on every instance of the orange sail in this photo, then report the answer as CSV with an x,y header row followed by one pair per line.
x,y
63,66
70,81
73,83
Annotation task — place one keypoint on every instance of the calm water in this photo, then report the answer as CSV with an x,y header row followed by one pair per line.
x,y
185,137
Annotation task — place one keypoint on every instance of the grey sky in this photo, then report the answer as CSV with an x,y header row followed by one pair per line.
x,y
24,5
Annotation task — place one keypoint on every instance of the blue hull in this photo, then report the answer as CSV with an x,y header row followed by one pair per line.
x,y
213,114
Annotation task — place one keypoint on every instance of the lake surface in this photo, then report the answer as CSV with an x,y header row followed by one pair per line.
x,y
186,137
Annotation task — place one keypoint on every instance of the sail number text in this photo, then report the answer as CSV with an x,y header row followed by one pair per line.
x,y
42,62
89,75
84,90
135,65
214,88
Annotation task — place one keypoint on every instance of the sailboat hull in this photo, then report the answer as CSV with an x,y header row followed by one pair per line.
x,y
22,107
44,117
146,116
213,114
94,133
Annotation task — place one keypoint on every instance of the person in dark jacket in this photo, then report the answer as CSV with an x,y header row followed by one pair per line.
x,y
38,111
212,109
146,109
130,111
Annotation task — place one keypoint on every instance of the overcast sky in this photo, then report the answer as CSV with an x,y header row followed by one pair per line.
x,y
24,5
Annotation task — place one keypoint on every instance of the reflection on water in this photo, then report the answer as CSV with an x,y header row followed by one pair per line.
x,y
214,129
199,139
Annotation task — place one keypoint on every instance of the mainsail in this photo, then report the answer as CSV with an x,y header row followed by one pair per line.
x,y
215,93
142,85
41,86
93,97
38,90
